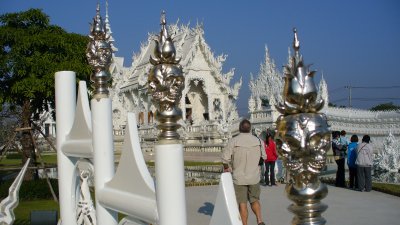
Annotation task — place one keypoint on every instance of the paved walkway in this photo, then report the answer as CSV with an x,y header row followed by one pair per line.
x,y
345,207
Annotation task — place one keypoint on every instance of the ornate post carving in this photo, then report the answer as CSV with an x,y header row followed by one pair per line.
x,y
85,211
303,139
99,55
165,83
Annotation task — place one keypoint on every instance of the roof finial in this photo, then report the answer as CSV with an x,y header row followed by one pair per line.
x,y
163,20
296,42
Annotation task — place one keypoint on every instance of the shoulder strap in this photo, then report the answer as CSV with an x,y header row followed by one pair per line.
x,y
361,149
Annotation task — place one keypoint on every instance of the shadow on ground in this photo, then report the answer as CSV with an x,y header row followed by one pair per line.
x,y
206,209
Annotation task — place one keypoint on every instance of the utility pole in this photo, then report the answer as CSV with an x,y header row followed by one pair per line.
x,y
349,87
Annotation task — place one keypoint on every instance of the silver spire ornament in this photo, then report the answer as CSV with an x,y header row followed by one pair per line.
x,y
303,140
300,92
165,83
99,55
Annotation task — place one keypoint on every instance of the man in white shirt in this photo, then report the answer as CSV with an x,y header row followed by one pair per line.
x,y
243,153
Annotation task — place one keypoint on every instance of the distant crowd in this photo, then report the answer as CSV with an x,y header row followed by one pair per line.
x,y
359,160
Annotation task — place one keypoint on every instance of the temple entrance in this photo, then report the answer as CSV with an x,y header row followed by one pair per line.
x,y
196,103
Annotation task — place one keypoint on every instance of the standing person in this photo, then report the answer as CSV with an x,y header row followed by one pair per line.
x,y
364,164
344,141
351,162
243,154
339,156
272,156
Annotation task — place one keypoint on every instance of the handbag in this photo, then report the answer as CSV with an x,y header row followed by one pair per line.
x,y
261,160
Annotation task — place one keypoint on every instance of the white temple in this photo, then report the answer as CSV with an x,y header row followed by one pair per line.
x,y
208,102
210,116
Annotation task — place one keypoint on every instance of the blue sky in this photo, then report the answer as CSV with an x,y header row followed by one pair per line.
x,y
354,43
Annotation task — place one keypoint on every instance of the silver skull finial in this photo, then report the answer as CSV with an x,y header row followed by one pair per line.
x,y
165,83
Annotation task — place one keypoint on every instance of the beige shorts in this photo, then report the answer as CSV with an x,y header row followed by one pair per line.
x,y
246,193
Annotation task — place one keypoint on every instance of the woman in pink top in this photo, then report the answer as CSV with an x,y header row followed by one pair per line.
x,y
272,156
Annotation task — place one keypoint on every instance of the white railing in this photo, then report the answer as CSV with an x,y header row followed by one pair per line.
x,y
85,158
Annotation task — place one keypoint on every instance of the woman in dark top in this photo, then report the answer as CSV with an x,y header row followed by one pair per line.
x,y
339,155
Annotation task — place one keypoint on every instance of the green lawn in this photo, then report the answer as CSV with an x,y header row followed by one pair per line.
x,y
392,189
22,212
49,158
10,162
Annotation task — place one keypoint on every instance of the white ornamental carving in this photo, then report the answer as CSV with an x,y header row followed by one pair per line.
x,y
204,81
389,158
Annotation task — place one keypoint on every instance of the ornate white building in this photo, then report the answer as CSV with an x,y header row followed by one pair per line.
x,y
208,101
266,92
210,115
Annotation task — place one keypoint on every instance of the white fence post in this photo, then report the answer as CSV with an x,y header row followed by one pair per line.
x,y
170,185
103,146
65,85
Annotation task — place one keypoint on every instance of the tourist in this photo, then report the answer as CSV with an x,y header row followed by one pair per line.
x,y
339,155
351,162
344,141
243,153
272,156
364,164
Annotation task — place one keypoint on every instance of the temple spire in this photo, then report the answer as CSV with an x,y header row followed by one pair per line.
x,y
108,30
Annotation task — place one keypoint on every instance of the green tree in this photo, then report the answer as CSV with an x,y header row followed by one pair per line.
x,y
31,51
385,107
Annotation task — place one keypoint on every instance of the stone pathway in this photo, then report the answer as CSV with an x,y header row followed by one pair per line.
x,y
345,206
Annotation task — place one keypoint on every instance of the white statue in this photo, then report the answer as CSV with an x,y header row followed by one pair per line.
x,y
389,158
198,108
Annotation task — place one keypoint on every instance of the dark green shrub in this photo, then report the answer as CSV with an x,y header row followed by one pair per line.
x,y
392,189
14,156
31,190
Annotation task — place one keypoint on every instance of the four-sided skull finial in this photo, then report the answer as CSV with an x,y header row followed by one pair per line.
x,y
166,82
